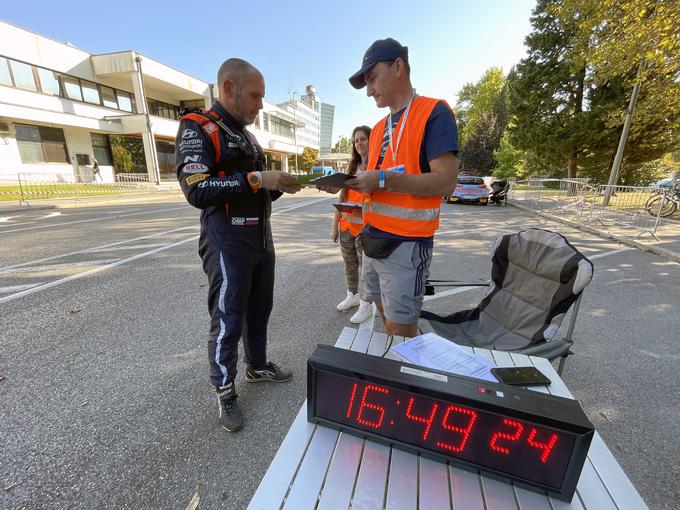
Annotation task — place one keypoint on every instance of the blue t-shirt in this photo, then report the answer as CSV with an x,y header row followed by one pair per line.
x,y
441,136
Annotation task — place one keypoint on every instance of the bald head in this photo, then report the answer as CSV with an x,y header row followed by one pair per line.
x,y
235,70
241,89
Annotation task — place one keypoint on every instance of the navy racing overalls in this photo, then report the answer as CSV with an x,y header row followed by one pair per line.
x,y
214,157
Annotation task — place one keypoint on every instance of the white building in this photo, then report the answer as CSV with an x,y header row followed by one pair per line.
x,y
308,135
60,107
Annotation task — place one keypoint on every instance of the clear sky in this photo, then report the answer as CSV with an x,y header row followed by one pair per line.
x,y
451,42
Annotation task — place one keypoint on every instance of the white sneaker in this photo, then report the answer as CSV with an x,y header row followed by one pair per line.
x,y
364,312
347,303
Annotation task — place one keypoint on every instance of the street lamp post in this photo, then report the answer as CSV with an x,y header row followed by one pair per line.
x,y
295,132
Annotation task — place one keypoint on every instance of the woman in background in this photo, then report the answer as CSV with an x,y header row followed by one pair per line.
x,y
346,228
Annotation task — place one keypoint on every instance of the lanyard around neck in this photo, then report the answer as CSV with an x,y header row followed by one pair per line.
x,y
394,149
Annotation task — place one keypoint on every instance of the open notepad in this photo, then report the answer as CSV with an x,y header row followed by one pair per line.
x,y
433,351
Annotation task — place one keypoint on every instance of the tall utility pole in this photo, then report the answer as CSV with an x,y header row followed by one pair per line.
x,y
616,166
295,131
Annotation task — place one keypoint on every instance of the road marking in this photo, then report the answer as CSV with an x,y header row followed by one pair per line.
x,y
5,219
607,253
41,269
16,288
53,225
99,269
310,202
126,247
95,270
50,215
458,290
86,250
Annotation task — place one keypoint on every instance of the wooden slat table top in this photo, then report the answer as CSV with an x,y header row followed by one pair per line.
x,y
320,468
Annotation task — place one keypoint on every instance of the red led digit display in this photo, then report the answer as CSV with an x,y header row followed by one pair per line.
x,y
464,431
520,448
422,419
503,435
366,405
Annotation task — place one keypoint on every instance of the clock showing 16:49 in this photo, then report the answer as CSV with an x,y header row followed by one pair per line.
x,y
536,439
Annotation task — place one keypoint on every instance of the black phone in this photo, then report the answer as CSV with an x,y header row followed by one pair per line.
x,y
520,376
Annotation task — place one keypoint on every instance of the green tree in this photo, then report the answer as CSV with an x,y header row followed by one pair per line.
x,y
134,148
486,97
479,149
510,162
547,91
570,94
306,160
343,146
122,159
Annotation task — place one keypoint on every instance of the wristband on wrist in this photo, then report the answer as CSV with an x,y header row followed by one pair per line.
x,y
381,179
255,180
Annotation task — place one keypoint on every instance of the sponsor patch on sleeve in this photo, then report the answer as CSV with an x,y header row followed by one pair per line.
x,y
196,178
194,168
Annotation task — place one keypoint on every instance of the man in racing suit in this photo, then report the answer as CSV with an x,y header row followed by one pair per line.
x,y
220,167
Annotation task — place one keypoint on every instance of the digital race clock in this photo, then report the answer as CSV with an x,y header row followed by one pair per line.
x,y
536,439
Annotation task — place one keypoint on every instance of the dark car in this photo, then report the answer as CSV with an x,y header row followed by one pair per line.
x,y
470,188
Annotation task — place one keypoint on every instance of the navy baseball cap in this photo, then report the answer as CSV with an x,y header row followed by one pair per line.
x,y
382,50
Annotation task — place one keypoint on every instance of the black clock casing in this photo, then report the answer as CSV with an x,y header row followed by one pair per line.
x,y
538,440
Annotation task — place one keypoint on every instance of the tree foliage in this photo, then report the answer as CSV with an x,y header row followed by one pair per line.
x,y
482,115
510,162
343,146
569,96
305,161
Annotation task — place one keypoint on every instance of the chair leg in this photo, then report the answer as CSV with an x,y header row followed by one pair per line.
x,y
560,367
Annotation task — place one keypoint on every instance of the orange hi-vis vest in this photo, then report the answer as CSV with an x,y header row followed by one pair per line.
x,y
400,213
353,221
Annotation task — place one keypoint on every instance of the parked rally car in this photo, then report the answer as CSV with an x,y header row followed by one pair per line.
x,y
470,188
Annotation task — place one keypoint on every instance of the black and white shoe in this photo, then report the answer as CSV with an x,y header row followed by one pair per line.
x,y
271,372
230,415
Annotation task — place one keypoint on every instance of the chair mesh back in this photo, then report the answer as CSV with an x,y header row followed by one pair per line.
x,y
534,273
536,276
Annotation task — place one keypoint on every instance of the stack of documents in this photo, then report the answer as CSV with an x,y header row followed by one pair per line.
x,y
433,351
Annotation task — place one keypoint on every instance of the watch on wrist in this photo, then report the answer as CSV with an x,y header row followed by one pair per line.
x,y
254,180
381,179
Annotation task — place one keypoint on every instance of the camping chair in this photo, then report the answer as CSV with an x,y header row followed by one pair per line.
x,y
536,277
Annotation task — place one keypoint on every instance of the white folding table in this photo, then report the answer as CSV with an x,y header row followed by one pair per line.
x,y
317,467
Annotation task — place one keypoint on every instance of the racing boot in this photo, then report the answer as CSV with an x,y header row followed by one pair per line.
x,y
230,416
271,372
350,301
364,312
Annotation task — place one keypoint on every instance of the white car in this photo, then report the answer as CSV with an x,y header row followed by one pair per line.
x,y
470,188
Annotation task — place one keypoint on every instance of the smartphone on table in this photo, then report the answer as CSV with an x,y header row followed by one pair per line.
x,y
520,376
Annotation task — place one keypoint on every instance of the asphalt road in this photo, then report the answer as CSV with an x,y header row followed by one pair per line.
x,y
107,404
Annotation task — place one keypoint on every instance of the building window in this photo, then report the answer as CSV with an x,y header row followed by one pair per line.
x,y
5,76
72,88
265,122
161,109
124,101
166,157
23,76
90,92
101,149
109,97
41,144
193,103
46,81
49,82
281,127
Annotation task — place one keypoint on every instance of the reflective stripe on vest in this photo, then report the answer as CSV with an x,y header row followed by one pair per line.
x,y
400,213
403,213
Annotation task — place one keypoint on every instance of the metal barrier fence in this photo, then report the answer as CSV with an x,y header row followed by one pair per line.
x,y
628,207
25,186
